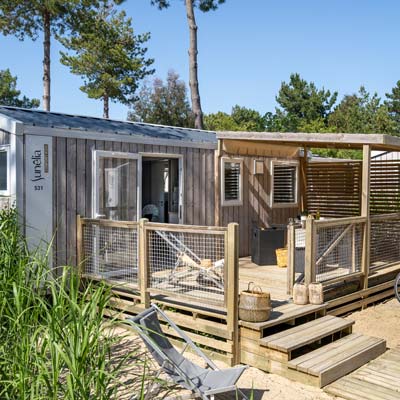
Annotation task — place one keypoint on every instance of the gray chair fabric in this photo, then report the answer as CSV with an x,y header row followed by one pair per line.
x,y
204,382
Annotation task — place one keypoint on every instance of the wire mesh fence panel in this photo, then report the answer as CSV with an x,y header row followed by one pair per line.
x,y
385,242
189,264
338,251
111,253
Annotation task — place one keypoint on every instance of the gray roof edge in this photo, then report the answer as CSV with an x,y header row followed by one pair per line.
x,y
100,118
10,124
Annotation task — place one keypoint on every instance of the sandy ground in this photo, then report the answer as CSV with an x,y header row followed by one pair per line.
x,y
382,320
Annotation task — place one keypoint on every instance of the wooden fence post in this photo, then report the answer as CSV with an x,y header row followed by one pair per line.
x,y
365,212
310,250
143,263
291,267
79,245
232,287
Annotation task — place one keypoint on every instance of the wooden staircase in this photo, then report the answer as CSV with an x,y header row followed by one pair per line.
x,y
307,346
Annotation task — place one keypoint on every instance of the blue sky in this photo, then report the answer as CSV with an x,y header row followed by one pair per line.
x,y
246,49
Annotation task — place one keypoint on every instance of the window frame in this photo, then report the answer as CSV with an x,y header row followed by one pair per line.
x,y
7,148
284,163
238,202
96,155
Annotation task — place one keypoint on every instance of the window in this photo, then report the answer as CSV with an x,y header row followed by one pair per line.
x,y
284,190
115,183
4,171
232,177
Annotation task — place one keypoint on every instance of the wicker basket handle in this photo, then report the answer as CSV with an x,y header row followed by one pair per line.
x,y
255,289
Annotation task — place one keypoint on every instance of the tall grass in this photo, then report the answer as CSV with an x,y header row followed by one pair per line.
x,y
53,340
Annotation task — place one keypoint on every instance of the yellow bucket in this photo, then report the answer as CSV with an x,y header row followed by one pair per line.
x,y
281,257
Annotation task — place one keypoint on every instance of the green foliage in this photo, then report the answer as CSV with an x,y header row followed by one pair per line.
x,y
393,105
301,101
109,57
248,119
240,119
10,95
361,113
203,5
22,18
53,340
163,103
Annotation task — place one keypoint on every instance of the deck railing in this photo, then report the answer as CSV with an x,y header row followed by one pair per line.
x,y
339,249
194,263
385,240
190,268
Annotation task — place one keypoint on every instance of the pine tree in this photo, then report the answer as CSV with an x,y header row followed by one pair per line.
x,y
10,95
393,105
205,6
109,57
22,18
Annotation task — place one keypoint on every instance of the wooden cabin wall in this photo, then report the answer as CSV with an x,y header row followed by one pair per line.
x,y
4,138
256,209
72,186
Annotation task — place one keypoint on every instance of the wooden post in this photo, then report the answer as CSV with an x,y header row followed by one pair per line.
x,y
217,186
79,245
291,245
310,250
303,180
365,196
143,264
232,287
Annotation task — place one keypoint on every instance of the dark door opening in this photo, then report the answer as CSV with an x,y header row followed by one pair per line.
x,y
160,189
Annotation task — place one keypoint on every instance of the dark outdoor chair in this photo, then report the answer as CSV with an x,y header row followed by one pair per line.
x,y
203,382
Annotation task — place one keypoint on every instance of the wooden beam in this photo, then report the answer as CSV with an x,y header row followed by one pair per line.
x,y
79,245
217,186
291,245
143,264
232,287
365,212
310,250
303,180
323,140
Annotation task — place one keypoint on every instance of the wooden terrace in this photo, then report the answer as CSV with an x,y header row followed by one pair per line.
x,y
195,271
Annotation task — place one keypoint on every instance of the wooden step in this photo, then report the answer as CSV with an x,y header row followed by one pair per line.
x,y
339,358
285,313
302,335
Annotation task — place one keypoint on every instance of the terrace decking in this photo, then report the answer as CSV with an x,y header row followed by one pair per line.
x,y
377,380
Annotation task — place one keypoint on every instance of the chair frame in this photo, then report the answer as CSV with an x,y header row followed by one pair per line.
x,y
207,395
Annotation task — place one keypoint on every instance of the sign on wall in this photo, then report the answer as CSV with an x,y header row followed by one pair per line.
x,y
38,189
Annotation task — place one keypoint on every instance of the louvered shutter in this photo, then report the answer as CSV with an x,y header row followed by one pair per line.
x,y
285,184
232,180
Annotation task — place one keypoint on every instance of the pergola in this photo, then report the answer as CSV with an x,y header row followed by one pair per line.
x,y
355,214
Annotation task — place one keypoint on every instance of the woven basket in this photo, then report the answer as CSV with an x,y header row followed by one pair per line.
x,y
281,257
254,304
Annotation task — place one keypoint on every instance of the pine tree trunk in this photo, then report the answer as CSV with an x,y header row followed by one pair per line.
x,y
193,80
46,61
106,106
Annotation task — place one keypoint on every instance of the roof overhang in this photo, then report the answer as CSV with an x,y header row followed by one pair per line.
x,y
319,140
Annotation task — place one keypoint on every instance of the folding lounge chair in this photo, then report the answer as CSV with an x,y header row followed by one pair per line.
x,y
187,258
203,382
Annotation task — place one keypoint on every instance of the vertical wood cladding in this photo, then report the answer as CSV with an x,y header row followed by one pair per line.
x,y
256,209
72,193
